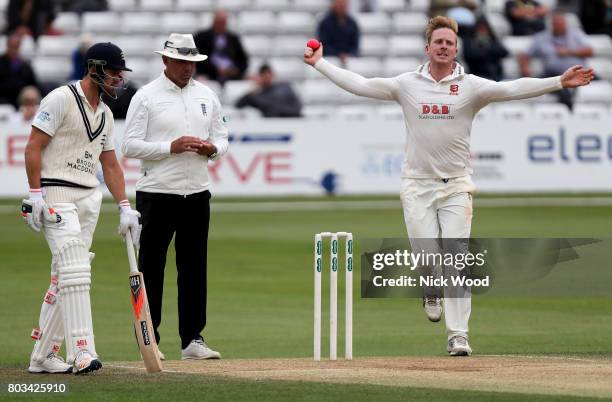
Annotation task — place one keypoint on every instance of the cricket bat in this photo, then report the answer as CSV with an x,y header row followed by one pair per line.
x,y
143,326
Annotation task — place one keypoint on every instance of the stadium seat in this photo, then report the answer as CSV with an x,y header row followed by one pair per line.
x,y
272,5
288,69
156,67
295,22
257,22
179,22
317,112
373,45
601,44
136,45
290,46
390,112
206,20
517,44
193,5
56,45
140,22
215,86
496,6
551,111
67,22
391,6
140,74
420,5
322,92
313,74
6,111
399,65
98,22
235,89
406,45
573,21
499,24
551,4
257,45
52,69
486,113
596,91
513,111
512,69
588,111
315,6
366,66
602,67
354,112
160,5
28,47
122,5
373,23
234,5
409,23
2,44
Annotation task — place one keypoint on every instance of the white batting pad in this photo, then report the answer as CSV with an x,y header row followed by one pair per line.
x,y
50,332
74,282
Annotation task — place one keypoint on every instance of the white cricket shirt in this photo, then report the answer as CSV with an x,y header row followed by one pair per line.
x,y
438,115
161,112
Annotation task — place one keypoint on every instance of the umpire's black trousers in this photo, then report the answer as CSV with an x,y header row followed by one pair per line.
x,y
186,218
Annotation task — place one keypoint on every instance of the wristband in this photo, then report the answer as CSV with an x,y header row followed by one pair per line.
x,y
124,206
36,194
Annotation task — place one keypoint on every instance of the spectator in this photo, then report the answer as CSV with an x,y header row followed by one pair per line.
x,y
560,48
227,59
31,17
28,101
526,17
440,7
78,57
272,99
483,52
81,6
339,31
15,72
596,16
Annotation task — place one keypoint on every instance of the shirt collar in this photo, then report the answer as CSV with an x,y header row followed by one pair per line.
x,y
458,71
168,84
82,95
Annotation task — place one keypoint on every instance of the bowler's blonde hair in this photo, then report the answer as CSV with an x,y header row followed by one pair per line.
x,y
440,22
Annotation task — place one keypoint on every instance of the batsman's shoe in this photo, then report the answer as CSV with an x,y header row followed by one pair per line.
x,y
433,307
53,364
459,346
198,349
86,363
161,356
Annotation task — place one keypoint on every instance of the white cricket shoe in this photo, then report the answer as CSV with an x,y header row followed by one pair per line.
x,y
52,364
459,346
198,349
84,362
433,307
161,356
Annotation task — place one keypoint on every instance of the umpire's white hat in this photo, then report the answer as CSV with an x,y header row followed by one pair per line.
x,y
182,47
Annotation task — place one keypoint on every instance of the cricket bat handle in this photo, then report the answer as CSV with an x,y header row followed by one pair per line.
x,y
131,253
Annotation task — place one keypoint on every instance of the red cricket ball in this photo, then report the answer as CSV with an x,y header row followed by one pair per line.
x,y
313,44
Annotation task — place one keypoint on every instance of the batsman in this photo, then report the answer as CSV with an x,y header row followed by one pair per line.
x,y
71,135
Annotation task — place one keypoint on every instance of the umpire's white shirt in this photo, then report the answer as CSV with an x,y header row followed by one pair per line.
x,y
161,112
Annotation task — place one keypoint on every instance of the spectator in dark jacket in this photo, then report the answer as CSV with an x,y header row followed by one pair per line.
x,y
483,52
272,99
227,59
339,32
15,72
31,17
526,16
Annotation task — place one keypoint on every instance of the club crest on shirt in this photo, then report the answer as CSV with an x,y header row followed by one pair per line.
x,y
203,105
454,89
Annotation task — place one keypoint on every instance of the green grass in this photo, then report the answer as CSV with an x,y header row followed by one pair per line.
x,y
260,304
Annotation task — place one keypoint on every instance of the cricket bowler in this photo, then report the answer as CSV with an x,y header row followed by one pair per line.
x,y
439,101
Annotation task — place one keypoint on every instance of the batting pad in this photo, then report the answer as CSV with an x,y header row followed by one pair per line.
x,y
74,282
50,332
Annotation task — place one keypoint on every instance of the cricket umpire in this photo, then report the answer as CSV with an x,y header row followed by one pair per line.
x,y
174,125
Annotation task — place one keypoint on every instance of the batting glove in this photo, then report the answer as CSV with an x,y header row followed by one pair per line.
x,y
34,209
129,222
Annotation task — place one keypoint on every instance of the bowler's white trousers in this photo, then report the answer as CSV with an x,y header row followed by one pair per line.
x,y
436,208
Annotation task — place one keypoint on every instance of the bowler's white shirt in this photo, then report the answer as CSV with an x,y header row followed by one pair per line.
x,y
438,114
161,112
